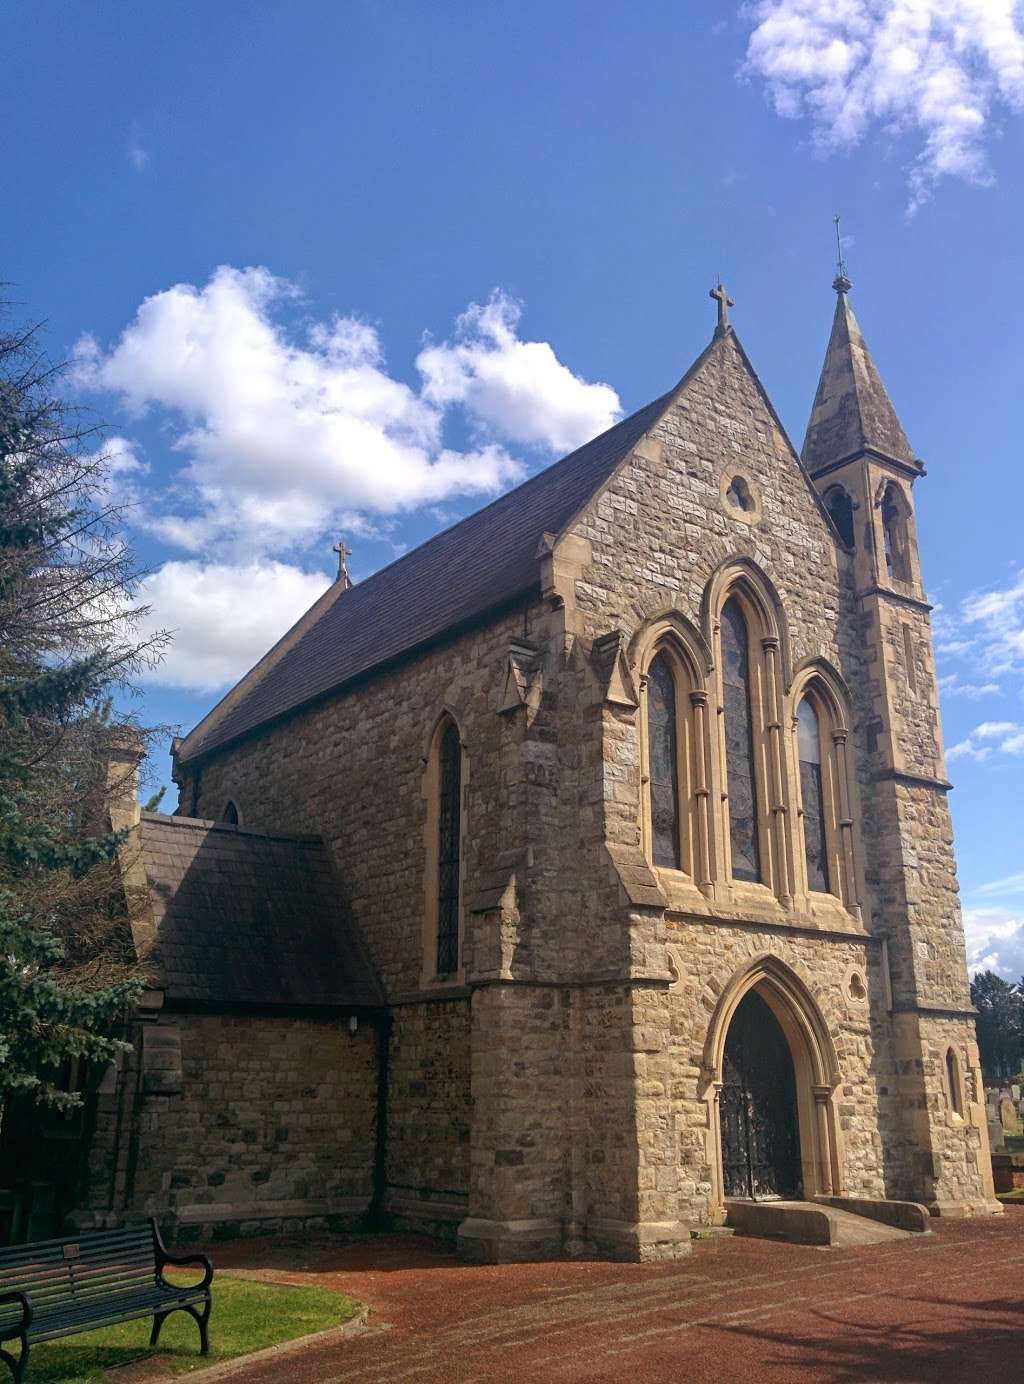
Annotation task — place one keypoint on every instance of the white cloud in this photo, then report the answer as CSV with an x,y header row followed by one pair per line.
x,y
998,617
514,389
286,435
939,70
995,942
137,153
223,617
951,686
1009,885
1005,737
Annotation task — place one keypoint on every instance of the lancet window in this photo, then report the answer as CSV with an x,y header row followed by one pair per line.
x,y
812,794
449,848
741,775
840,507
894,534
663,763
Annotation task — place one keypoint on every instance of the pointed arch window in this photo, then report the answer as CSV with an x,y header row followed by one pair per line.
x,y
663,763
741,776
812,794
840,507
894,533
449,849
231,815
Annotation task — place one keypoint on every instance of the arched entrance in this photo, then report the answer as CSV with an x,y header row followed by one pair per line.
x,y
760,1122
770,1077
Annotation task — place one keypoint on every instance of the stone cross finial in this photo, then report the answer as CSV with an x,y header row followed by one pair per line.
x,y
841,282
344,553
724,304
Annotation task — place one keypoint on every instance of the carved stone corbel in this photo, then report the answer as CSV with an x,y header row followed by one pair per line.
x,y
612,670
522,678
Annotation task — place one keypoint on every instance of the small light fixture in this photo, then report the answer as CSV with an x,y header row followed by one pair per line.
x,y
353,1023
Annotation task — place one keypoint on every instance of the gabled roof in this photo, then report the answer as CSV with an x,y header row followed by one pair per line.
x,y
852,411
488,559
240,917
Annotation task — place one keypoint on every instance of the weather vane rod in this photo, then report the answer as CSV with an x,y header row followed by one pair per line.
x,y
841,282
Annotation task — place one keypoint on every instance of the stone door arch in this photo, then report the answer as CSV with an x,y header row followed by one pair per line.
x,y
815,1070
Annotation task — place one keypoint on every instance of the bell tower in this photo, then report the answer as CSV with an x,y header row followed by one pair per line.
x,y
861,461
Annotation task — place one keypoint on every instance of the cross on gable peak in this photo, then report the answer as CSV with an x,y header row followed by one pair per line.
x,y
724,302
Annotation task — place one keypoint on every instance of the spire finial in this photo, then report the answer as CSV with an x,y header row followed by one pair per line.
x,y
724,304
841,282
344,553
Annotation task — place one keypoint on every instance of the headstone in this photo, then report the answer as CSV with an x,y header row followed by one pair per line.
x,y
1008,1115
995,1135
1015,1093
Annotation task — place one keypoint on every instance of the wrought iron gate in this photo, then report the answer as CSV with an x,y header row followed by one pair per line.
x,y
760,1136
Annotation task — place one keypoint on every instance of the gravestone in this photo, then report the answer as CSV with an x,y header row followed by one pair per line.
x,y
995,1134
1015,1093
1007,1114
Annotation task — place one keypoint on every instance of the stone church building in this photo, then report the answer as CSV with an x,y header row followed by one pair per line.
x,y
587,868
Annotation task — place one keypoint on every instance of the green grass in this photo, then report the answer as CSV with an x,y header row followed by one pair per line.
x,y
246,1316
1016,1195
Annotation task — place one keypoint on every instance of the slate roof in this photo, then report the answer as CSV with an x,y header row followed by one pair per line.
x,y
486,560
243,918
852,410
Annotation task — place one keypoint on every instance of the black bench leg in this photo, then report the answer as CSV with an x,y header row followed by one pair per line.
x,y
16,1367
203,1318
158,1321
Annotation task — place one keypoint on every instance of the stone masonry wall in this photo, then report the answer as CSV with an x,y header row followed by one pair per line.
x,y
270,1126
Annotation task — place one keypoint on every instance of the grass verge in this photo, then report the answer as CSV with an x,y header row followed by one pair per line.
x,y
246,1316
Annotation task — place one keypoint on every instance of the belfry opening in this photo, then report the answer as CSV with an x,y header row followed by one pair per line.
x,y
759,1115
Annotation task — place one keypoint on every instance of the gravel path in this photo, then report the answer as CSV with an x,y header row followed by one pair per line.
x,y
942,1307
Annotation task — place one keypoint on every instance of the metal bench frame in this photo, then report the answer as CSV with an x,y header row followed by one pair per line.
x,y
41,1321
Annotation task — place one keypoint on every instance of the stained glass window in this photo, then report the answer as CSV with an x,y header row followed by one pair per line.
x,y
808,736
449,842
739,745
662,741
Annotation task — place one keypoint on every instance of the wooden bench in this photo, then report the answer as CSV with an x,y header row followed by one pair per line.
x,y
60,1287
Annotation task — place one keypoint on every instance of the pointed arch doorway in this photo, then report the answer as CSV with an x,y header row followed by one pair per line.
x,y
760,1120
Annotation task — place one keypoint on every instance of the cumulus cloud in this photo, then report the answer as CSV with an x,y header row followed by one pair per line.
x,y
518,390
997,619
223,617
284,434
951,685
938,70
991,737
137,153
995,941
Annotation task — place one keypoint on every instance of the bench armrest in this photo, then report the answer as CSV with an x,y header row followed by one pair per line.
x,y
186,1261
26,1311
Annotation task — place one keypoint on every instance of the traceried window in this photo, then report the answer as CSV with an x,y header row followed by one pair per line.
x,y
812,794
449,849
840,507
663,756
739,744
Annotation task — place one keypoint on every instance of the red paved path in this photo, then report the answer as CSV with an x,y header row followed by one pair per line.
x,y
944,1307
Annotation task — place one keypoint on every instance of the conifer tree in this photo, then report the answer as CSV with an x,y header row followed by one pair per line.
x,y
68,640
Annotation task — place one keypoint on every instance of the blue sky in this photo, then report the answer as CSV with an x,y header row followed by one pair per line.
x,y
330,266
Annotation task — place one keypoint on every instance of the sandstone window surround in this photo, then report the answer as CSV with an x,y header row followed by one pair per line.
x,y
675,749
954,1085
754,803
444,792
826,798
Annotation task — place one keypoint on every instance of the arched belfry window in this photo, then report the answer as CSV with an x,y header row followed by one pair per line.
x,y
449,848
230,815
741,776
663,763
840,508
812,795
894,533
